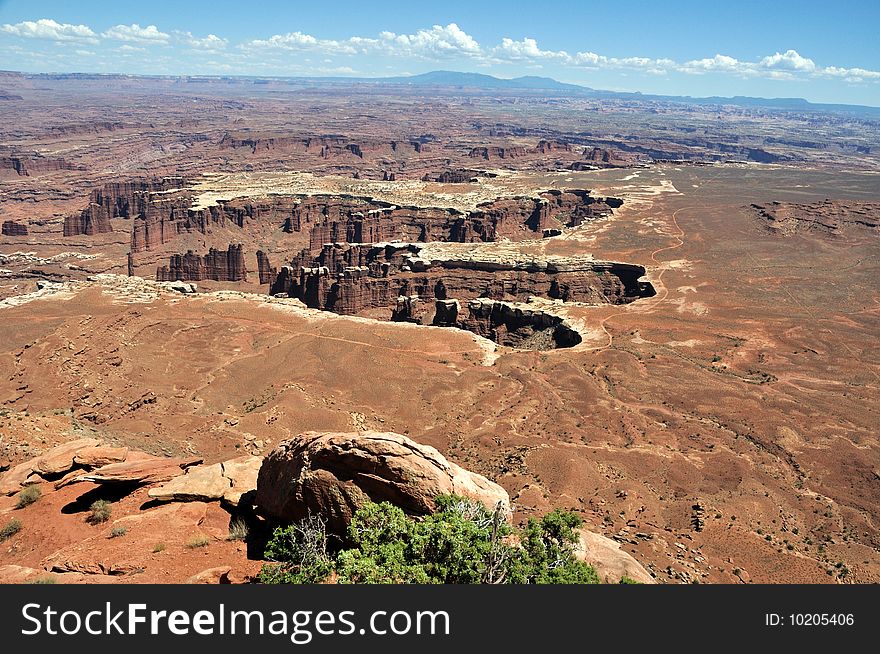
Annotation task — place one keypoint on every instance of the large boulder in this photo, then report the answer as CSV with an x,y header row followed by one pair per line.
x,y
611,562
334,474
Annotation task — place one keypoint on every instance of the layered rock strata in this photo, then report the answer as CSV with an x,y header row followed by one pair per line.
x,y
218,265
12,228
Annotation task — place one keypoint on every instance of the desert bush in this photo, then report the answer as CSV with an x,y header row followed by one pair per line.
x,y
28,496
197,541
238,529
118,531
100,511
299,552
461,543
43,579
10,529
158,547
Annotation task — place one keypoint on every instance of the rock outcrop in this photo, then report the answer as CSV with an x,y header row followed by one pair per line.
x,y
351,278
226,481
55,461
137,470
325,147
516,326
826,218
490,153
129,199
265,269
219,265
611,562
26,166
334,474
601,158
12,228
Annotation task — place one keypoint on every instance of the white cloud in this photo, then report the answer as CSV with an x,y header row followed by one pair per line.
x,y
210,42
298,41
527,49
134,32
719,62
850,74
439,41
790,60
435,43
46,28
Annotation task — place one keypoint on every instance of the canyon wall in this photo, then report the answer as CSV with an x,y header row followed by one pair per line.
x,y
12,228
351,279
127,199
25,166
218,265
266,270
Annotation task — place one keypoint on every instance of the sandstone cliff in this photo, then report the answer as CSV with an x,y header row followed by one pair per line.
x,y
12,228
218,265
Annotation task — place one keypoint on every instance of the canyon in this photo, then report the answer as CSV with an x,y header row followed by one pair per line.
x,y
658,314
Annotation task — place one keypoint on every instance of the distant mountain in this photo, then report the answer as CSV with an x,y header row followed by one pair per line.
x,y
455,79
480,81
528,84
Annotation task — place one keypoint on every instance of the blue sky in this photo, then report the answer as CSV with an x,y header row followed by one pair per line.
x,y
822,51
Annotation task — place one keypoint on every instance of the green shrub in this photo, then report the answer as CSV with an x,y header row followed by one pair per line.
x,y
629,580
300,553
461,543
101,510
118,531
10,529
28,496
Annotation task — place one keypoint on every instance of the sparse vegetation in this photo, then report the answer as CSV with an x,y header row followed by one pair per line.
x,y
99,512
629,580
28,496
238,529
10,529
43,579
197,541
462,543
118,531
158,547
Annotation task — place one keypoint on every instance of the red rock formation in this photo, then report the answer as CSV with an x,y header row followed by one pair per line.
x,y
25,166
601,158
118,200
221,266
350,279
266,271
829,217
326,147
548,147
514,326
12,228
460,176
335,474
490,153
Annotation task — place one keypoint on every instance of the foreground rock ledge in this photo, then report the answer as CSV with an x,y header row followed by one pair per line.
x,y
335,474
